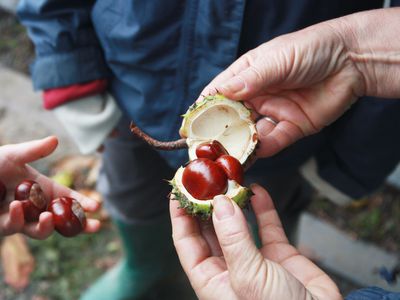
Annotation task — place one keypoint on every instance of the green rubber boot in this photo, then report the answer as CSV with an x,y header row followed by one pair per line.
x,y
150,259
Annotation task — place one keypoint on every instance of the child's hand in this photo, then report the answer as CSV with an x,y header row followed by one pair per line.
x,y
14,169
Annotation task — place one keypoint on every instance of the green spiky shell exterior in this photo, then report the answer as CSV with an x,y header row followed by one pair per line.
x,y
197,104
204,211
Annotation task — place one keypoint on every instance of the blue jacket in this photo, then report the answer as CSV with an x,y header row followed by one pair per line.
x,y
158,55
373,293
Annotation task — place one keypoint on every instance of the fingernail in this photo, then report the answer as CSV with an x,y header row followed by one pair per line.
x,y
234,85
223,207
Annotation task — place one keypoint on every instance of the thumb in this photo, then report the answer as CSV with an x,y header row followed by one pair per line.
x,y
245,85
244,261
34,150
255,71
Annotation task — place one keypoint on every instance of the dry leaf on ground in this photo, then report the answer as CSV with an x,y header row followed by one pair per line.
x,y
18,263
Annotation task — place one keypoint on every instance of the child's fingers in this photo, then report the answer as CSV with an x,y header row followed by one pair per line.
x,y
42,229
34,150
13,222
92,225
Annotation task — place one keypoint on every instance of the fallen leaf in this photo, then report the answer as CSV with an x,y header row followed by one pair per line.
x,y
74,163
91,178
36,297
64,178
82,170
18,263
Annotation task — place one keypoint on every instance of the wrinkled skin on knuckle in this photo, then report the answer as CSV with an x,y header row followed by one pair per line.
x,y
275,58
281,283
250,282
307,57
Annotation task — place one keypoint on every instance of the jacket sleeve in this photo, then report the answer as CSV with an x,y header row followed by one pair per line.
x,y
89,120
67,49
373,293
394,3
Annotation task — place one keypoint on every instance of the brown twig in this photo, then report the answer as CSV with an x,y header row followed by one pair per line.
x,y
171,145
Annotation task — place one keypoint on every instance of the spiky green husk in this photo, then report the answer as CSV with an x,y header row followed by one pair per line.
x,y
206,99
204,210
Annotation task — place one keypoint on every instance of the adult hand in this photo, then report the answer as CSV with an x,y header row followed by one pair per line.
x,y
14,169
225,263
305,80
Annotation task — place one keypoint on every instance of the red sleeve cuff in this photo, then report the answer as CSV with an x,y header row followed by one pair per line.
x,y
55,97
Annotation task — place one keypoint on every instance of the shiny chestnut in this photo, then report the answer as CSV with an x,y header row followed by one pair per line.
x,y
232,167
68,216
3,192
32,198
204,179
211,150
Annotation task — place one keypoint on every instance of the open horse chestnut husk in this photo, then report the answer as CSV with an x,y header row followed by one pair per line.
x,y
3,192
223,132
68,215
32,198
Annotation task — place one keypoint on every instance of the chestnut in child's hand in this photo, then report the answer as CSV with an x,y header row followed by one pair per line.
x,y
3,191
68,216
32,198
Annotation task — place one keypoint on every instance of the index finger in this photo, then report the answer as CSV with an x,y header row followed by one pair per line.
x,y
33,150
275,245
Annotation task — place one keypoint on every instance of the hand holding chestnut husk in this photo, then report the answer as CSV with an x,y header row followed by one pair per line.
x,y
14,169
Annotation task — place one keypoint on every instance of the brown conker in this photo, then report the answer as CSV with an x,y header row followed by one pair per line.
x,y
204,179
68,216
32,198
232,167
211,150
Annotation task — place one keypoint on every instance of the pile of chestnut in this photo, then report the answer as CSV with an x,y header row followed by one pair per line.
x,y
207,176
68,215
